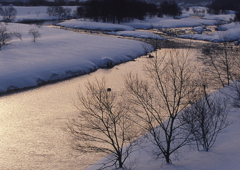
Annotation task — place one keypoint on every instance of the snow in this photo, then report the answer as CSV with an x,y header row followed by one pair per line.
x,y
230,32
205,15
59,54
222,17
185,22
95,25
35,13
223,155
169,22
187,19
198,29
137,34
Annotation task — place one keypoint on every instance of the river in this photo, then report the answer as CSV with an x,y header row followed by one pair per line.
x,y
33,123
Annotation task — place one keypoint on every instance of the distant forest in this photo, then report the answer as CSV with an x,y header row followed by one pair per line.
x,y
117,11
77,2
225,5
185,1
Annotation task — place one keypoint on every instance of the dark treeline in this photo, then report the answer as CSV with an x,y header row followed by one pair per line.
x,y
220,6
43,3
169,8
184,1
116,11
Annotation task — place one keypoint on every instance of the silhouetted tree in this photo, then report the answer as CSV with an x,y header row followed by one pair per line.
x,y
5,35
103,125
205,119
168,88
35,33
220,61
8,13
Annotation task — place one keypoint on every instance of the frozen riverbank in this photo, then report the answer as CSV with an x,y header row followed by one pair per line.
x,y
58,55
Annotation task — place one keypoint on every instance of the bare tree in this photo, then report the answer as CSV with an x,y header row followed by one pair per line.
x,y
103,125
8,13
5,35
37,13
205,119
170,86
220,62
17,33
35,33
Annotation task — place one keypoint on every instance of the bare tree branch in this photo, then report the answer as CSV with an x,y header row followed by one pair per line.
x,y
170,86
103,124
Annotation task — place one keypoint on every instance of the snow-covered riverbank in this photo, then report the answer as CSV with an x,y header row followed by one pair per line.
x,y
59,54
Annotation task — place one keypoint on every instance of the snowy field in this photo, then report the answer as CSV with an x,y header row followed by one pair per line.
x,y
229,32
187,19
26,14
137,34
198,22
80,24
59,54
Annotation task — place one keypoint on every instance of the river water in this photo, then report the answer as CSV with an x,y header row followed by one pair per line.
x,y
33,123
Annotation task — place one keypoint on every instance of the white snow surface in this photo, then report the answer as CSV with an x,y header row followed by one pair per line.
x,y
137,34
231,33
59,54
166,22
95,25
198,29
223,155
205,15
187,19
184,22
35,13
222,17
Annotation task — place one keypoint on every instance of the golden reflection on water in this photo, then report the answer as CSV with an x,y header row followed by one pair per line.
x,y
33,124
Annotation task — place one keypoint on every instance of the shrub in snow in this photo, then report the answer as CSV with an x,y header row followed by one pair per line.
x,y
8,13
35,33
219,28
17,33
218,23
5,36
205,119
222,62
199,29
107,63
